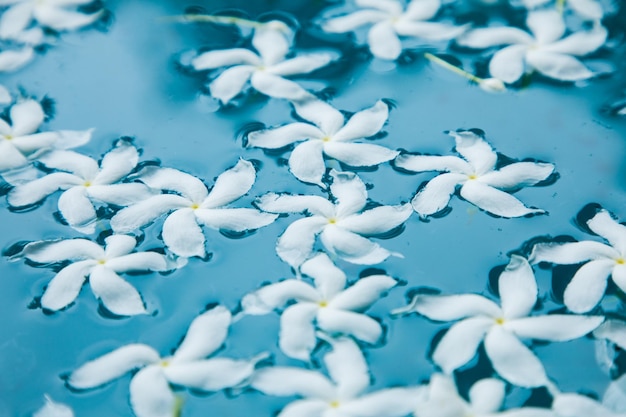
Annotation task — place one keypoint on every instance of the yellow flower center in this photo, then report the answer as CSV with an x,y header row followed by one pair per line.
x,y
8,137
102,261
335,404
326,139
472,177
164,363
500,321
322,304
620,261
87,184
332,221
195,206
260,68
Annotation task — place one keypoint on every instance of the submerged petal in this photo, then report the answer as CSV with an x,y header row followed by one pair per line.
x,y
117,295
495,201
205,335
297,332
151,395
61,19
12,60
182,235
286,382
517,288
432,31
458,346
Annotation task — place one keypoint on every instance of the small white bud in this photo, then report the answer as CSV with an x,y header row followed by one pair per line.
x,y
492,85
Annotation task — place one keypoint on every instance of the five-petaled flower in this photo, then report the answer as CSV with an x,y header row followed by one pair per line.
x,y
101,266
341,225
500,327
543,51
587,287
193,204
481,183
327,304
330,135
389,20
151,393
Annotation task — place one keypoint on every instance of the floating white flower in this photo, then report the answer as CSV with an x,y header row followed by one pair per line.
x,y
19,144
328,304
265,70
151,393
587,287
192,205
54,409
14,59
391,20
480,182
101,266
327,134
84,181
343,226
501,328
543,51
485,399
587,9
341,395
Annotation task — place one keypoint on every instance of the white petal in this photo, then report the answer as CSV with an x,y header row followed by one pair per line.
x,y
613,330
60,19
431,31
487,395
575,405
329,280
151,395
231,185
117,295
513,360
65,286
234,219
377,220
589,9
112,365
10,156
33,145
302,64
117,163
170,179
517,288
453,307
383,41
286,382
352,21
326,117
141,261
587,287
54,409
297,332
26,117
554,327
182,235
83,166
276,86
364,123
32,192
495,201
285,203
423,163
11,60
458,346
390,402
77,209
508,63
614,397
442,399
546,25
230,82
270,297
225,58
304,408
119,245
435,195
475,150
347,367
53,251
571,253
15,19
306,162
349,193
295,245
558,66
281,136
209,375
518,174
123,195
359,154
619,276
493,36
363,293
422,9
272,44
352,247
134,217
206,334
579,43
357,325
607,227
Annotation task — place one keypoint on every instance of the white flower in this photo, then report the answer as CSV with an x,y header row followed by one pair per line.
x,y
265,70
501,328
481,184
341,225
327,134
14,59
151,393
327,304
101,266
613,403
19,144
613,331
193,205
53,14
485,399
84,181
341,395
587,9
54,409
389,20
600,260
543,51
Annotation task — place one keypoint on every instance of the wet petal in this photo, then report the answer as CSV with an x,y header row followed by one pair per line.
x,y
33,145
285,203
347,367
306,162
77,209
558,66
435,195
390,402
273,44
352,247
518,174
546,25
134,217
493,36
431,31
297,332
225,58
619,276
170,179
517,288
363,293
205,335
554,327
326,117
112,365
453,307
487,395
60,19
495,201
281,136
579,43
231,185
304,408
390,7
458,346
364,123
123,195
276,86
67,139
378,220
117,295
350,22
11,60
117,163
65,286
295,245
270,297
349,193
512,360
151,395
357,325
286,382
571,253
329,280
475,150
587,287
210,375
140,261
589,9
422,9
54,409
613,330
302,64
26,116
383,41
53,251
15,19
234,219
359,154
119,245
230,82
10,156
182,235
575,405
508,63
606,226
423,163
83,166
32,192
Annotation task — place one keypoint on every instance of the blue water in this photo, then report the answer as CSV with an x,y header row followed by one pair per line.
x,y
124,81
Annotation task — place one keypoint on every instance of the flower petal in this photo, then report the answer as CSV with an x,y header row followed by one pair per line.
x,y
117,163
589,9
286,382
151,395
53,251
423,163
574,405
134,217
297,332
281,136
33,145
422,9
304,408
273,85
508,63
32,192
546,25
83,166
579,43
364,123
65,286
54,409
230,82
357,325
431,31
272,44
77,209
517,288
205,335
302,64
26,116
352,247
117,295
285,203
558,66
306,162
363,293
112,365
349,193
119,245
613,330
170,179
347,367
435,195
554,327
225,58
493,36
359,154
453,307
619,276
475,150
123,195
234,219
377,220
587,287
487,395
495,201
10,156
326,117
571,253
231,185
512,360
270,297
329,280
61,19
211,374
12,60
517,175
182,235
606,226
383,41
458,346
16,19
350,22
295,245
390,402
